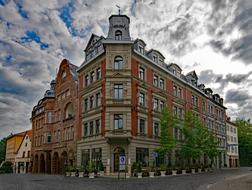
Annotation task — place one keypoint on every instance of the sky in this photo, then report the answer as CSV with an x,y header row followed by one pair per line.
x,y
212,37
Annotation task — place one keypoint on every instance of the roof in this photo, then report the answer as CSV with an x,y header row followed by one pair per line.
x,y
29,133
73,70
21,134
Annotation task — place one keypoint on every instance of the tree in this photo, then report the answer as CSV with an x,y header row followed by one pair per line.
x,y
245,141
2,149
167,142
197,139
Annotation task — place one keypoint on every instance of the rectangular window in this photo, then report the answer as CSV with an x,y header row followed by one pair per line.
x,y
91,102
118,91
49,138
92,76
161,105
142,126
179,93
142,156
91,128
141,73
175,91
155,104
156,129
86,104
86,80
141,99
175,111
141,49
98,99
161,83
97,127
180,113
49,117
85,129
118,121
98,73
155,80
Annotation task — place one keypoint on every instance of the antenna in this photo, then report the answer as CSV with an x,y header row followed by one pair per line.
x,y
119,9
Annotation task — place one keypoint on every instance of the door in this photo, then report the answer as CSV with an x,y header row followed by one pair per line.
x,y
117,152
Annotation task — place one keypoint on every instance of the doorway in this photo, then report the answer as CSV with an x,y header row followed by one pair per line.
x,y
117,152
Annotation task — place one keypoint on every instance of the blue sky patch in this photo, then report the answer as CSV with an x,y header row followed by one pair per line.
x,y
3,2
21,11
33,36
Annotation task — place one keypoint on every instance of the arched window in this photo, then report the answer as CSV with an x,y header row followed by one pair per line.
x,y
118,62
118,35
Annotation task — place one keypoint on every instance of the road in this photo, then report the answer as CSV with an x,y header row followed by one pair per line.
x,y
219,179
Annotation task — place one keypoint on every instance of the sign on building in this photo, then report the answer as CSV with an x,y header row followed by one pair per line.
x,y
122,162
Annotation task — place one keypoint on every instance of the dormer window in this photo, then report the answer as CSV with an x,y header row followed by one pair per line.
x,y
154,58
118,63
141,49
118,35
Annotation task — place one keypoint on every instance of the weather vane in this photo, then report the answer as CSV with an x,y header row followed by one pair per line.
x,y
119,10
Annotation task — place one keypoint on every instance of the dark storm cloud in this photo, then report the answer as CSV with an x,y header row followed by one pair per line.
x,y
227,16
237,96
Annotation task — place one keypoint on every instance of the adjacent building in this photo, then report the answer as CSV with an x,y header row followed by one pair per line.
x,y
23,155
232,145
122,89
55,123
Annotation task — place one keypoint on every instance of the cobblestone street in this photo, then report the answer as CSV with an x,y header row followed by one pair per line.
x,y
216,180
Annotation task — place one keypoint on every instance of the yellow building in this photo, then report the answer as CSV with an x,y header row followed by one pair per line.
x,y
13,143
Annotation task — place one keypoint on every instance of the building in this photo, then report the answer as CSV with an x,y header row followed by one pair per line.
x,y
232,145
13,143
23,155
54,123
122,89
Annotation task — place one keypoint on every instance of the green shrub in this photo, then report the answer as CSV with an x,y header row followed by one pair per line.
x,y
6,167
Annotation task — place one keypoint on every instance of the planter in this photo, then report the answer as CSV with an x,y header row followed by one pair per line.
x,y
183,171
163,173
174,172
193,171
206,169
91,175
199,170
139,175
81,174
68,174
72,174
101,173
151,174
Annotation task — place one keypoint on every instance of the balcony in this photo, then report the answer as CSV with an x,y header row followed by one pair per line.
x,y
118,136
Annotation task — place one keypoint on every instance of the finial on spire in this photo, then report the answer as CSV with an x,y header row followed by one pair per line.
x,y
119,9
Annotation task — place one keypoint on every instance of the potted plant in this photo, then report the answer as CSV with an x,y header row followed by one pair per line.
x,y
139,170
174,169
81,171
199,168
127,172
101,168
152,170
162,169
72,170
183,168
91,169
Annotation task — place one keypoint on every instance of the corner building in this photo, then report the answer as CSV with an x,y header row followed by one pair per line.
x,y
55,123
122,89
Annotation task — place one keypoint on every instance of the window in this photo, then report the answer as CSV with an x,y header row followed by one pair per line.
x,y
118,35
92,76
141,99
118,91
180,112
175,111
86,104
155,104
161,105
174,90
118,63
142,126
142,156
141,49
156,129
161,83
195,100
29,154
23,154
154,58
85,129
97,126
179,93
91,102
118,121
141,73
155,80
86,80
98,99
49,117
49,138
98,73
91,128
234,130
